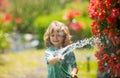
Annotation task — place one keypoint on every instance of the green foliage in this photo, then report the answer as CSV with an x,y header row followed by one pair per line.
x,y
4,43
87,30
5,28
29,10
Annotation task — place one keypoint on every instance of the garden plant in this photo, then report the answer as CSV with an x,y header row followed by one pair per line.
x,y
106,26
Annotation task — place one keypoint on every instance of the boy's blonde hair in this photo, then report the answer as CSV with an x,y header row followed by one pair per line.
x,y
57,26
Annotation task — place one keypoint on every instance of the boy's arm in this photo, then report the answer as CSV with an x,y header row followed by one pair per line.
x,y
74,72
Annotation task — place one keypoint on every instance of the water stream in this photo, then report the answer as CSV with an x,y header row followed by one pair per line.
x,y
79,44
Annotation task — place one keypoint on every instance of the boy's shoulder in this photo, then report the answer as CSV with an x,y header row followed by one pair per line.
x,y
51,48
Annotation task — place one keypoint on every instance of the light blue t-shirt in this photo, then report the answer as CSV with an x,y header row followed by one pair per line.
x,y
59,69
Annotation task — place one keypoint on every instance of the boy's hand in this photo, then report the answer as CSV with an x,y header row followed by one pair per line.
x,y
60,57
73,75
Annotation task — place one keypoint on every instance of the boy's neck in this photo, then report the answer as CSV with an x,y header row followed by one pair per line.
x,y
58,47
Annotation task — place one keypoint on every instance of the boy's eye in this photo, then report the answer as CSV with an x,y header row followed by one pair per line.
x,y
55,35
52,35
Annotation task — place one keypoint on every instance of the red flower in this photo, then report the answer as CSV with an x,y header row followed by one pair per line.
x,y
101,16
75,13
72,14
115,12
111,34
118,1
95,23
106,57
116,70
108,3
110,62
76,26
7,17
1,3
111,19
18,20
95,32
98,54
105,31
100,66
118,52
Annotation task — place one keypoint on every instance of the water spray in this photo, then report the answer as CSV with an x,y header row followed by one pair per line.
x,y
79,44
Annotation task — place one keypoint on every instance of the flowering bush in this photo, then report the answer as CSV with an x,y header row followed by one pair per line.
x,y
5,20
106,25
72,14
73,24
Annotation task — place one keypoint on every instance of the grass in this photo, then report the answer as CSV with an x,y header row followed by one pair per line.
x,y
81,56
24,63
83,71
19,63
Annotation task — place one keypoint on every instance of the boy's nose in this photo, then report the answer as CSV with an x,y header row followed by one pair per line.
x,y
55,37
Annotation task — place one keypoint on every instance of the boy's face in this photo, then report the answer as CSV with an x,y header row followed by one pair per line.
x,y
56,38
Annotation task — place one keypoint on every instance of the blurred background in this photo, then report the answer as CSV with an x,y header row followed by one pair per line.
x,y
22,26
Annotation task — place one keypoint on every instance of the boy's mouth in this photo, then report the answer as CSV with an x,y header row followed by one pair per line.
x,y
55,41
